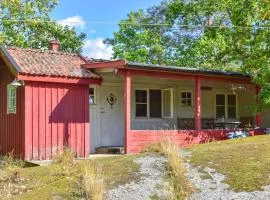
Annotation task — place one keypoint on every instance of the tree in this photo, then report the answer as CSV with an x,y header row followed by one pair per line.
x,y
26,23
212,34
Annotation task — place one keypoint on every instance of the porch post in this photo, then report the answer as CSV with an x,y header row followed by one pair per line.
x,y
258,115
127,108
197,103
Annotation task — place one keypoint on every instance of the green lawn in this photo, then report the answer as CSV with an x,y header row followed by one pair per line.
x,y
50,182
245,162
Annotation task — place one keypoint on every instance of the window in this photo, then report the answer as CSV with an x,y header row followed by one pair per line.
x,y
141,103
153,103
231,106
225,106
186,99
11,100
92,96
220,106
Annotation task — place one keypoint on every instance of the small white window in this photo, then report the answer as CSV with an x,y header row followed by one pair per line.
x,y
186,98
167,103
92,96
11,100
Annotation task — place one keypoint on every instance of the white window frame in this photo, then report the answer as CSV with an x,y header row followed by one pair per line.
x,y
148,103
226,104
94,95
192,98
11,109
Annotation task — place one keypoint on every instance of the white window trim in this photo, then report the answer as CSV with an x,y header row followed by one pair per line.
x,y
226,103
192,98
148,103
9,110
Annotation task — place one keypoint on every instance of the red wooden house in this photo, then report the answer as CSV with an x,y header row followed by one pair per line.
x,y
45,98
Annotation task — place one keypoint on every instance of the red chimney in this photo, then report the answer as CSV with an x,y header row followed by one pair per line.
x,y
54,45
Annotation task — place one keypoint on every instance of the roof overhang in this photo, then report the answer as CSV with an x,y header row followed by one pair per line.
x,y
58,79
9,61
138,69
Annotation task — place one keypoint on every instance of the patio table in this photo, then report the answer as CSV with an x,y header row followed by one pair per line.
x,y
224,124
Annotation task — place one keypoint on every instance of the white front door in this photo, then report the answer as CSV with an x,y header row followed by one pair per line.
x,y
111,116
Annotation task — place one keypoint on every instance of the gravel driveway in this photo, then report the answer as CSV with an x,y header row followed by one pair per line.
x,y
152,171
214,188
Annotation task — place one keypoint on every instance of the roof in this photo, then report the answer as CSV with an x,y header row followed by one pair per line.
x,y
48,63
185,69
132,65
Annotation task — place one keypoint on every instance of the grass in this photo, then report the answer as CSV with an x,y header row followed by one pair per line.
x,y
119,170
66,179
245,162
180,185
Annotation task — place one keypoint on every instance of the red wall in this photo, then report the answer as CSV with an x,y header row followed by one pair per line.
x,y
139,139
11,125
56,115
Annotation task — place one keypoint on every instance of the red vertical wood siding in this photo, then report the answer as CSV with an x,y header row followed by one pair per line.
x,y
56,115
11,125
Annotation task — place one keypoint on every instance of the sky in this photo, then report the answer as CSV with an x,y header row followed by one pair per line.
x,y
83,12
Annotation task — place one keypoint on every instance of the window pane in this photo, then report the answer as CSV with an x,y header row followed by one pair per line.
x,y
155,103
231,100
141,96
166,100
184,95
189,95
220,111
91,91
220,99
231,112
11,107
188,102
141,110
92,99
184,102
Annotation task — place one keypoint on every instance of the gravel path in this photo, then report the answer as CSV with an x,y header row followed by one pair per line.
x,y
214,187
152,170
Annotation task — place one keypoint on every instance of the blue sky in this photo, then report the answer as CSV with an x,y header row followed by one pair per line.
x,y
85,11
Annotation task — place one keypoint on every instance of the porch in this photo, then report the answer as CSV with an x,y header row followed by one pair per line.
x,y
188,108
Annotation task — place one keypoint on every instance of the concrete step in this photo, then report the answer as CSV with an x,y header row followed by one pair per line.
x,y
110,150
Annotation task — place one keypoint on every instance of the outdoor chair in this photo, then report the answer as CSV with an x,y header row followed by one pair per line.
x,y
185,123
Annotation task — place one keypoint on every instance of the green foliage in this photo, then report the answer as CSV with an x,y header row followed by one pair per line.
x,y
212,34
26,23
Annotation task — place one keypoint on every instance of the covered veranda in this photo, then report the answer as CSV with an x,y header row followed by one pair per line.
x,y
192,130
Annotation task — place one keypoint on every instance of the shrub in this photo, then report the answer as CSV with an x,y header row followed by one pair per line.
x,y
180,186
91,180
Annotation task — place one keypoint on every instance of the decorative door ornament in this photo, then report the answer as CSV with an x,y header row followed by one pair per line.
x,y
111,99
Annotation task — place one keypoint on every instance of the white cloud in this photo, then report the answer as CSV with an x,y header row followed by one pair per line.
x,y
74,21
97,49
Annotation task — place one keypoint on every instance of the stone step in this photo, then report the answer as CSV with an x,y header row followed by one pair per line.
x,y
110,150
